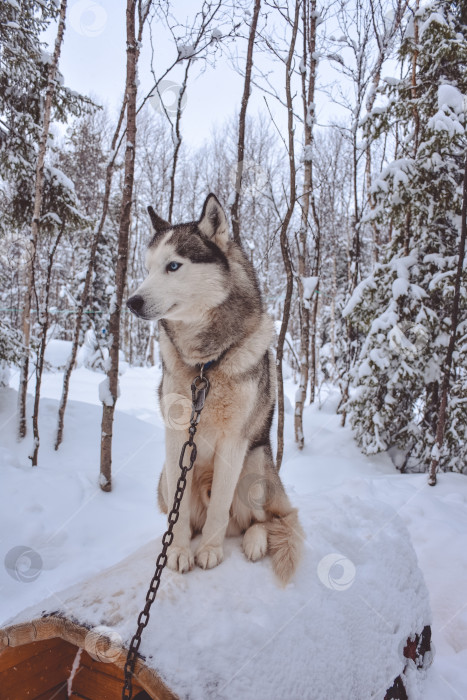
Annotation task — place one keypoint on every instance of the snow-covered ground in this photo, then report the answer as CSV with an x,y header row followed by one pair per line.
x,y
74,530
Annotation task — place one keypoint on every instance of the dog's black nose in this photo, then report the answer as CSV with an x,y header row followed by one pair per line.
x,y
135,304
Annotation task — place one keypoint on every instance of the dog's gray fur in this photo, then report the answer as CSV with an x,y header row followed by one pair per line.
x,y
210,308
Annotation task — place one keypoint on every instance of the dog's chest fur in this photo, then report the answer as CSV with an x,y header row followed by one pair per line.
x,y
242,388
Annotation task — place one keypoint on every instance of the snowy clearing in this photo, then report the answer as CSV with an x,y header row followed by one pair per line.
x,y
59,511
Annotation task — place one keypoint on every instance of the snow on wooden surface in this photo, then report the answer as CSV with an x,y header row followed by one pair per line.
x,y
337,630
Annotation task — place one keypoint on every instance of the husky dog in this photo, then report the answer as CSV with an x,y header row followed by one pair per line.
x,y
203,291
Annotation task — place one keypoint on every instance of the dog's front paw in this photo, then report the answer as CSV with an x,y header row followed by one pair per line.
x,y
180,559
255,542
208,556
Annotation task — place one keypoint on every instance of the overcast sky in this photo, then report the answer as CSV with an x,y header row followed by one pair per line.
x,y
93,63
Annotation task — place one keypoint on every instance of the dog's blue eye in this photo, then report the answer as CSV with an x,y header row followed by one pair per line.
x,y
173,266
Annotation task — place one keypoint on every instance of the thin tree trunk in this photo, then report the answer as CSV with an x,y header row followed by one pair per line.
x,y
111,388
354,272
414,92
177,134
43,318
177,140
384,45
285,245
308,93
441,426
38,194
87,282
416,119
333,310
235,208
314,313
314,316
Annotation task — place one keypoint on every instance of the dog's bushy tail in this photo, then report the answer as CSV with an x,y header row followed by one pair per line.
x,y
285,544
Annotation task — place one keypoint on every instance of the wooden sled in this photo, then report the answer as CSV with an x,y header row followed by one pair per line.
x,y
37,658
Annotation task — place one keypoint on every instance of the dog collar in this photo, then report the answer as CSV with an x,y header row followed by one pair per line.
x,y
209,364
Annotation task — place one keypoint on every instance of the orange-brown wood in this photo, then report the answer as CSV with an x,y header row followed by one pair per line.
x,y
35,676
95,679
37,649
57,693
93,684
40,671
11,656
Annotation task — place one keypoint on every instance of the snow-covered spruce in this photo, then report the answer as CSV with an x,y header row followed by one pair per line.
x,y
404,307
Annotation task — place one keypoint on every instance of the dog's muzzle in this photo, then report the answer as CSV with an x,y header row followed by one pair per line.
x,y
135,304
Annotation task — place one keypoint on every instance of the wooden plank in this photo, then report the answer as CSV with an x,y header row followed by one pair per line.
x,y
141,695
10,656
97,680
97,686
28,680
39,673
109,669
58,693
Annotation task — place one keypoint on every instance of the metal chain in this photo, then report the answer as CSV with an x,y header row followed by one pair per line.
x,y
199,391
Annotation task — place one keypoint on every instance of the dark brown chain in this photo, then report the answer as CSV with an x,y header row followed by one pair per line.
x,y
199,391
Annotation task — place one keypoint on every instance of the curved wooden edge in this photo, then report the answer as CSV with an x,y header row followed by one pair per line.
x,y
97,643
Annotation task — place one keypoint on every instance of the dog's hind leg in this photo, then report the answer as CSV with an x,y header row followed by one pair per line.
x,y
260,498
255,542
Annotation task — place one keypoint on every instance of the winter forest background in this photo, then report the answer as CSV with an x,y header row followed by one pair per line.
x,y
356,226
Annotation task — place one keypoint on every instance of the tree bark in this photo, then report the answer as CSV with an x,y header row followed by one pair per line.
x,y
235,208
383,47
111,392
308,95
177,140
441,426
43,318
38,194
87,282
416,120
285,244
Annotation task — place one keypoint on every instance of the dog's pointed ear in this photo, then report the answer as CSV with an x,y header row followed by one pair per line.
x,y
158,224
213,222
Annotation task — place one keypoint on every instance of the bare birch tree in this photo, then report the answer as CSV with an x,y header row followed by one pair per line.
x,y
284,242
43,319
235,207
35,224
198,40
385,31
308,68
88,279
109,392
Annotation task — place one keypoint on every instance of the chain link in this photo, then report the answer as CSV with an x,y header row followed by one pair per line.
x,y
199,391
